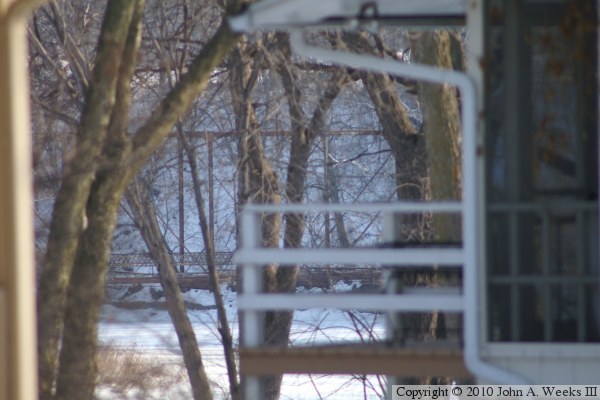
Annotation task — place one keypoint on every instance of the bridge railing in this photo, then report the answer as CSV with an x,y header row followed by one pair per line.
x,y
142,263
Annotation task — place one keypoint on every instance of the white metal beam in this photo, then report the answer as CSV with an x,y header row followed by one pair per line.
x,y
372,256
396,206
273,14
361,302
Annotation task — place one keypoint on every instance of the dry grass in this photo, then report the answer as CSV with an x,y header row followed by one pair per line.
x,y
132,374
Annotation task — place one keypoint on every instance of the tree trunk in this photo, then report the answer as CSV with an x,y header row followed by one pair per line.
x,y
408,148
258,182
303,132
209,246
104,161
407,145
442,129
69,213
145,218
77,372
333,196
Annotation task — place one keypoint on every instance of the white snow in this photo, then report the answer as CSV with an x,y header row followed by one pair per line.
x,y
149,331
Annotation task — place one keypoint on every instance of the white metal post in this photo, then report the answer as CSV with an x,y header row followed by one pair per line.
x,y
475,330
252,325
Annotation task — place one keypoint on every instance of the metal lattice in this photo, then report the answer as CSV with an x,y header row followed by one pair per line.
x,y
137,260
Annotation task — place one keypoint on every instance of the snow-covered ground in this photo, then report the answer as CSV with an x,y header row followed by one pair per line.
x,y
148,331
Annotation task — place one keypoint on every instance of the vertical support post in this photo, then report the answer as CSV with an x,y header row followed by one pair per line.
x,y
327,221
326,199
252,284
3,347
546,260
211,188
17,274
181,201
476,58
392,285
251,276
582,259
474,205
393,321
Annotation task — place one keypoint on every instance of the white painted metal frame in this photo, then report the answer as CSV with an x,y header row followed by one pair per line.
x,y
253,256
285,14
252,302
406,302
471,207
410,256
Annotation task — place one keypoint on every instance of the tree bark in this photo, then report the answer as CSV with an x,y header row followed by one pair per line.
x,y
442,127
77,373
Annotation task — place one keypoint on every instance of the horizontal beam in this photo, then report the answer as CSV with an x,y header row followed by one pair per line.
x,y
277,133
391,207
275,14
391,361
371,256
514,207
362,302
189,259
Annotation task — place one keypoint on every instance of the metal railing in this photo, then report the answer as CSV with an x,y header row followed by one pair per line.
x,y
134,260
471,208
252,302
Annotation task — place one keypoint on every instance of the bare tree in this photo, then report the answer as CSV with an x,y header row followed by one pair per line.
x,y
104,160
303,132
258,181
69,216
209,246
110,148
145,218
405,141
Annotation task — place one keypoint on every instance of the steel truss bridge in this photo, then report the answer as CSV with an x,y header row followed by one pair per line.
x,y
190,261
192,271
